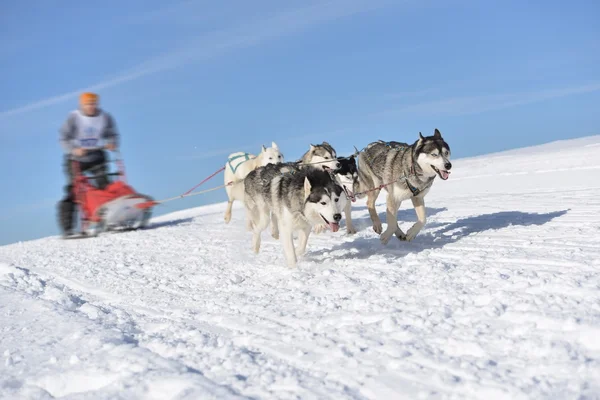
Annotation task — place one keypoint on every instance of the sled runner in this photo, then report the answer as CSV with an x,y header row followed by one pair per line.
x,y
116,206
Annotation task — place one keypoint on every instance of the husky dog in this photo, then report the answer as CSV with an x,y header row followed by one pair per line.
x,y
321,156
239,165
292,199
407,172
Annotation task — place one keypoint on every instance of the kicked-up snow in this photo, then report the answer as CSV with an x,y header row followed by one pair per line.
x,y
497,298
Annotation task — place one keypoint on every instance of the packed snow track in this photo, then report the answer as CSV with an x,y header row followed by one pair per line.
x,y
497,298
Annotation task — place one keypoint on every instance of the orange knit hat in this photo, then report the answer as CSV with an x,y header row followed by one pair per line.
x,y
88,97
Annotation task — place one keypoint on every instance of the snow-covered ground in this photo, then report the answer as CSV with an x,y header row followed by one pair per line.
x,y
498,297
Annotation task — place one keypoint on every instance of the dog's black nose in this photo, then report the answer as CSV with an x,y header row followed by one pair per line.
x,y
337,217
448,165
338,165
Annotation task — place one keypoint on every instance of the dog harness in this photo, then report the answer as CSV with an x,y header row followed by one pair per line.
x,y
415,191
233,169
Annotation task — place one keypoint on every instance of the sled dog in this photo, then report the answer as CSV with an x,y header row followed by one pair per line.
x,y
293,199
347,177
408,171
239,165
320,156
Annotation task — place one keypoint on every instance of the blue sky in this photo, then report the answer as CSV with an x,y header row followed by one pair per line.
x,y
188,82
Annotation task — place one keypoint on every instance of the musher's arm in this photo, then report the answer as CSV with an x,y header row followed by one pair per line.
x,y
111,135
67,135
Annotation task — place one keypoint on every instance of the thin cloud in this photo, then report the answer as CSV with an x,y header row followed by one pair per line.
x,y
457,106
68,96
216,43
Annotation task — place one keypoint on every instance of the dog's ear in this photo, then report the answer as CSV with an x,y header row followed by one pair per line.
x,y
264,149
307,188
312,148
421,137
274,145
437,134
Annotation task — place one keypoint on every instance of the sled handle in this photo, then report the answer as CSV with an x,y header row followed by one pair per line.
x,y
121,165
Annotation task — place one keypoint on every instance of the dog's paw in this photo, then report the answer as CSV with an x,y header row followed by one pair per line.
x,y
227,217
386,236
275,235
256,245
351,230
401,235
378,228
411,234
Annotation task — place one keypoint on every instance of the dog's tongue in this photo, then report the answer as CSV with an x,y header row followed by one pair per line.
x,y
334,226
444,174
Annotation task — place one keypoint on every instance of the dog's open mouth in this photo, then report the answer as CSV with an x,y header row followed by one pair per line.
x,y
333,225
349,194
442,173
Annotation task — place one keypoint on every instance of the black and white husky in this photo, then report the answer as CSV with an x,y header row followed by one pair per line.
x,y
293,199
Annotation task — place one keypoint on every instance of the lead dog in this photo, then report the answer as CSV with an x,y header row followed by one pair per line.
x,y
408,171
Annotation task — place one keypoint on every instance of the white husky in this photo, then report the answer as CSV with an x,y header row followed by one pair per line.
x,y
239,165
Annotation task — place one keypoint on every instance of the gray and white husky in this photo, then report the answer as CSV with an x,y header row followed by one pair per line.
x,y
320,156
293,199
408,172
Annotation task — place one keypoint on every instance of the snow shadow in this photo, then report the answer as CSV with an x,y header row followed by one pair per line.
x,y
406,214
442,234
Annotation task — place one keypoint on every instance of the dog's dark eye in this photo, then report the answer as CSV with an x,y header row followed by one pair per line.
x,y
323,203
336,200
327,158
434,155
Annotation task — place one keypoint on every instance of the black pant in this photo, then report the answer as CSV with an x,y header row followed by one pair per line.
x,y
96,166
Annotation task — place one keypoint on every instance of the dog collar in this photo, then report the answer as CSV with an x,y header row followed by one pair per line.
x,y
415,191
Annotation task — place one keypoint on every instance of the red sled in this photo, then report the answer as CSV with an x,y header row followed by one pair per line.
x,y
116,206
